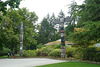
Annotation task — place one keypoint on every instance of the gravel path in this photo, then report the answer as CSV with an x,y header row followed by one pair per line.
x,y
27,62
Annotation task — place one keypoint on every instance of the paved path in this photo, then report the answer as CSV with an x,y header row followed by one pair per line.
x,y
27,62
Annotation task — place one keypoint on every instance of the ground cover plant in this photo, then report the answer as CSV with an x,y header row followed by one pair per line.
x,y
70,64
4,56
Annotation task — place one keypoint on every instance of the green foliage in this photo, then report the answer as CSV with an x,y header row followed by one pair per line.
x,y
70,64
11,3
46,51
4,51
85,11
97,57
58,46
6,56
68,30
88,53
73,15
87,35
29,53
38,52
88,22
47,28
17,55
55,53
39,46
93,33
10,33
70,51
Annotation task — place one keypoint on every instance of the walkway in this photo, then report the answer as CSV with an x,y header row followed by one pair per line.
x,y
27,62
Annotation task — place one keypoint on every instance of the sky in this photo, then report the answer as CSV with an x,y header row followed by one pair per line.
x,y
43,7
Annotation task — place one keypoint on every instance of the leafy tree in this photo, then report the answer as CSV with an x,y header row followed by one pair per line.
x,y
87,35
8,38
3,6
85,11
10,29
87,25
11,3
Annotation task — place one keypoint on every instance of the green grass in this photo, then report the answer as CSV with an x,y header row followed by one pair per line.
x,y
4,56
70,64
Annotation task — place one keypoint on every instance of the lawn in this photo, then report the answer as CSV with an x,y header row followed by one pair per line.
x,y
4,56
70,64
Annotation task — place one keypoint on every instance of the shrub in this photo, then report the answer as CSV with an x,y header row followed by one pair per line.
x,y
55,53
58,46
29,53
17,55
46,51
4,51
88,53
38,52
77,54
39,46
70,51
25,53
97,57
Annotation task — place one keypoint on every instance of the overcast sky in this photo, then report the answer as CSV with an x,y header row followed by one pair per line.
x,y
43,7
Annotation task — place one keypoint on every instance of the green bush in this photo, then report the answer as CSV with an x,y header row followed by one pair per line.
x,y
77,54
39,46
17,55
46,51
88,53
58,46
97,57
70,51
55,53
29,53
4,51
38,52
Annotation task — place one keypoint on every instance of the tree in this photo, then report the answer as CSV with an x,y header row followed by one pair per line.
x,y
3,6
85,11
10,29
68,30
11,3
88,24
72,12
87,35
8,38
47,31
28,18
44,31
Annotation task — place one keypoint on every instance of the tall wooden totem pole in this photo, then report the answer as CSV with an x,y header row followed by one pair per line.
x,y
21,39
61,21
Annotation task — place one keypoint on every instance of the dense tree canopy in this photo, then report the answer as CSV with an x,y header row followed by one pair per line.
x,y
10,29
47,31
88,24
11,3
